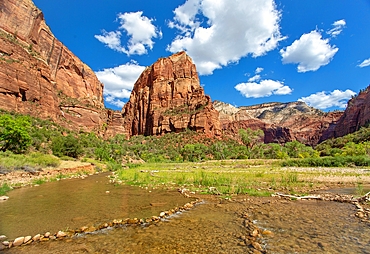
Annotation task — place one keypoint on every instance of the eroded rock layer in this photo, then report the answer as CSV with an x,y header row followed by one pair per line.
x,y
168,97
281,122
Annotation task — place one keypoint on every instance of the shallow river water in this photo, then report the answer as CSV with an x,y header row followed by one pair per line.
x,y
216,226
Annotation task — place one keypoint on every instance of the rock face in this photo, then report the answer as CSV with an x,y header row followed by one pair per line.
x,y
356,115
168,97
281,122
40,76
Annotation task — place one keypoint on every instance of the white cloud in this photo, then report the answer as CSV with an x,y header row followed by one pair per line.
x,y
364,63
254,78
139,29
111,39
263,89
310,52
323,100
338,28
119,81
217,33
258,70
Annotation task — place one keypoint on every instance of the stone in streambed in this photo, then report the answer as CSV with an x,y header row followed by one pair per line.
x,y
36,237
133,221
61,234
257,246
28,239
268,233
18,241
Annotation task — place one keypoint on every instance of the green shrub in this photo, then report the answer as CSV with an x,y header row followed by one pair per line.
x,y
66,146
14,133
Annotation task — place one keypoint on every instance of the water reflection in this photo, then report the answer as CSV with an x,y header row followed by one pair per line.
x,y
73,203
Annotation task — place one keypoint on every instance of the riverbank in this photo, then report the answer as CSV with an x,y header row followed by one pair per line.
x,y
26,176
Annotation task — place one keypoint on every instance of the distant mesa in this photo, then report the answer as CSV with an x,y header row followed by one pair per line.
x,y
281,122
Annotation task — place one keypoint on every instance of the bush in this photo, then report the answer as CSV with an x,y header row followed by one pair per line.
x,y
14,133
66,146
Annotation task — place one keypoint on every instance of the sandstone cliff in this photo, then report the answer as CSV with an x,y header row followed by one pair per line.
x,y
40,76
168,97
281,122
356,115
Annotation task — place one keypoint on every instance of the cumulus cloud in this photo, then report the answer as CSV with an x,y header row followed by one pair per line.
x,y
324,100
217,33
263,89
310,52
364,63
138,28
119,81
338,28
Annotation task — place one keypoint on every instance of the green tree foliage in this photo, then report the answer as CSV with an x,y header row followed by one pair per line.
x,y
251,137
14,133
299,150
196,152
66,146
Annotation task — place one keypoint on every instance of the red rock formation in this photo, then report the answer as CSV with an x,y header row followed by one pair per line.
x,y
168,97
40,76
281,122
356,115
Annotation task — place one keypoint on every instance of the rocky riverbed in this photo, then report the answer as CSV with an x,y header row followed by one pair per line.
x,y
240,225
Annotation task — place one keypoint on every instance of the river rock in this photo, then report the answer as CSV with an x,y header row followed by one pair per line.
x,y
61,234
162,214
83,229
268,233
44,239
4,197
90,229
133,221
2,237
257,246
18,241
47,234
6,243
254,233
360,215
36,237
27,239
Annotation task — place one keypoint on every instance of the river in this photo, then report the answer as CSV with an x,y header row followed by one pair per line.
x,y
214,226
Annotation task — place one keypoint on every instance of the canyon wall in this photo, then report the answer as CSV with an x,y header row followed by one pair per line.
x,y
39,76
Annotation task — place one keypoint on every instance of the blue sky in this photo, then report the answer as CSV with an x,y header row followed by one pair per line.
x,y
247,52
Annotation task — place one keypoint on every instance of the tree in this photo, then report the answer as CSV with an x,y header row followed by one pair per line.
x,y
14,133
251,137
196,152
66,146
